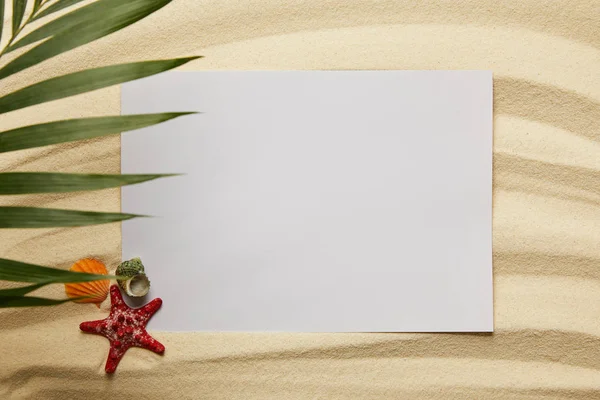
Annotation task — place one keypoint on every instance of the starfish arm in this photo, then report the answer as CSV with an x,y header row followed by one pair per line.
x,y
146,312
93,326
115,355
149,343
152,307
116,300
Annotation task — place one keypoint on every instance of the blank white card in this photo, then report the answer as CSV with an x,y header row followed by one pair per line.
x,y
314,201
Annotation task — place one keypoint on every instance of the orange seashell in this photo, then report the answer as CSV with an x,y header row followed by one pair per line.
x,y
96,290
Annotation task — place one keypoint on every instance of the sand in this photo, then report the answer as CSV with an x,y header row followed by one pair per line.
x,y
545,57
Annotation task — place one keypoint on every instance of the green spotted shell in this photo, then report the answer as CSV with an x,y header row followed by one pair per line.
x,y
131,267
136,283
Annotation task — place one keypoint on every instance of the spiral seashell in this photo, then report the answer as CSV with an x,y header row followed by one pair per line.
x,y
136,283
96,291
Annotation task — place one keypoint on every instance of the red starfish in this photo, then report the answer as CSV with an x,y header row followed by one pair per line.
x,y
125,327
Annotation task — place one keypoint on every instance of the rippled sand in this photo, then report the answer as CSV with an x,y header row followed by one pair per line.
x,y
545,56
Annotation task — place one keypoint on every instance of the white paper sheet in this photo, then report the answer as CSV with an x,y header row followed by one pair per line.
x,y
315,200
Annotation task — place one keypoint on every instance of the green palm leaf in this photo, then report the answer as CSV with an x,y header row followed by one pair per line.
x,y
17,15
32,217
77,129
110,16
21,291
59,5
1,17
67,21
16,271
20,301
49,182
36,6
85,81
71,30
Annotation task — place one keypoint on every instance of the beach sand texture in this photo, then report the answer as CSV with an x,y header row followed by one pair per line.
x,y
545,56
